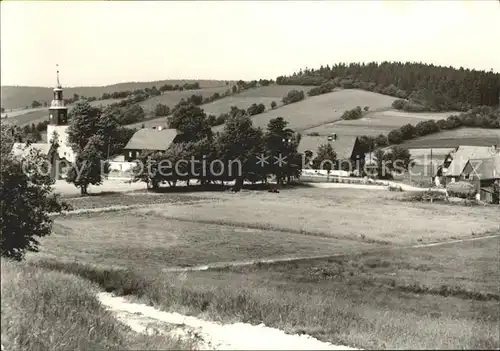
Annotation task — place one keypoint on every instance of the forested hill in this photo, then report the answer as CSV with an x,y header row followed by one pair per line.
x,y
434,87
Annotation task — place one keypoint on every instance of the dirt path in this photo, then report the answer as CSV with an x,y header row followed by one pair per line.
x,y
209,335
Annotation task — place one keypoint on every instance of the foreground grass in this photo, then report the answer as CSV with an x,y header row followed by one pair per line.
x,y
430,298
46,310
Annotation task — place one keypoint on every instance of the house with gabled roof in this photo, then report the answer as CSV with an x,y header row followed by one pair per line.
x,y
150,139
462,155
347,148
483,173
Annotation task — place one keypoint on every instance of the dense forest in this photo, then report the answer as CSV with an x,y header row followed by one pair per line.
x,y
424,86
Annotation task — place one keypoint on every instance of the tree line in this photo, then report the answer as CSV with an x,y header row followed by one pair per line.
x,y
433,87
236,149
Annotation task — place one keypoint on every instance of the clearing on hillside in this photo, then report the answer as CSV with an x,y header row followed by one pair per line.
x,y
457,137
259,95
377,122
318,110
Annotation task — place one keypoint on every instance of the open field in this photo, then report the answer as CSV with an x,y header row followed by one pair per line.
x,y
20,96
457,137
375,294
318,110
243,100
341,213
44,310
377,122
429,298
264,95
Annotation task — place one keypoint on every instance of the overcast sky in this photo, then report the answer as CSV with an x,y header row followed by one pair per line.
x,y
106,42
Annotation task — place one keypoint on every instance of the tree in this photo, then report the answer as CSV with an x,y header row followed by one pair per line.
x,y
161,110
35,104
90,166
190,120
132,114
293,96
26,199
326,158
281,142
395,136
273,105
237,147
84,119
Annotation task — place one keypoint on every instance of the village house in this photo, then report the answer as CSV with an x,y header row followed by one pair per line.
x,y
150,139
347,148
460,158
483,174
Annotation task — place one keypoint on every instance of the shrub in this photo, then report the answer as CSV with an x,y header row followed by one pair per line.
x,y
461,189
293,96
355,113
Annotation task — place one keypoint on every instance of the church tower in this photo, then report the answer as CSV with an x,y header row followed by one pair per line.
x,y
58,112
58,124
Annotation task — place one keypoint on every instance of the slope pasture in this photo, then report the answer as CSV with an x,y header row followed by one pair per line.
x,y
318,110
260,95
20,96
242,100
377,122
457,137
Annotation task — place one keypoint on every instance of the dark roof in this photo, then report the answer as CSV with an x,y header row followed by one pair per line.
x,y
151,139
343,146
486,168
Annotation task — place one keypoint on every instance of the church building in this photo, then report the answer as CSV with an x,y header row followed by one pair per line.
x,y
63,155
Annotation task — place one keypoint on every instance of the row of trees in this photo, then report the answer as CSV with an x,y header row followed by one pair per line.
x,y
441,88
236,149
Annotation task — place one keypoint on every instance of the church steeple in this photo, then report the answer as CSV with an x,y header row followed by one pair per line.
x,y
58,111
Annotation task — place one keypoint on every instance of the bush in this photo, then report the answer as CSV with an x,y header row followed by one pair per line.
x,y
462,190
293,96
355,113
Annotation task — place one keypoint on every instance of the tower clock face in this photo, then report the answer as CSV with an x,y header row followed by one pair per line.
x,y
50,116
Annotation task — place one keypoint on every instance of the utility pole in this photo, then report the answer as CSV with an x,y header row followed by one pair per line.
x,y
432,170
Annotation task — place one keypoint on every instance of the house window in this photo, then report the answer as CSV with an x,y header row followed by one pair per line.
x,y
130,154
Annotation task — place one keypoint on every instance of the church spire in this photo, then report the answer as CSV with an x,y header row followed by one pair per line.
x,y
59,86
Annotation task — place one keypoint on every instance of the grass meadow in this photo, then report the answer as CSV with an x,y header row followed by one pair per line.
x,y
373,292
321,109
375,123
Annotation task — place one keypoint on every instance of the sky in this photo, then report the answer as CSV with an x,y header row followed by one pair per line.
x,y
106,42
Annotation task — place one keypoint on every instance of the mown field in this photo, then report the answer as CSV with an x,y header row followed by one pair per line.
x,y
457,137
260,95
375,123
319,110
374,294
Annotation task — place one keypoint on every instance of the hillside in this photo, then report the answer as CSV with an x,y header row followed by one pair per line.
x,y
262,94
377,122
22,117
457,137
321,109
13,97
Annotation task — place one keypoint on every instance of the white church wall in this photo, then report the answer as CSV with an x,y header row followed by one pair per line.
x,y
64,150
